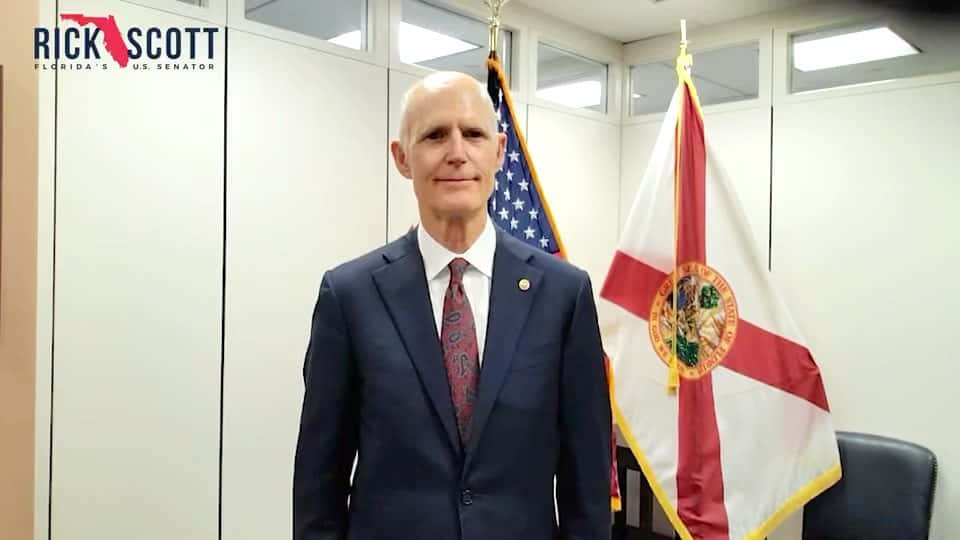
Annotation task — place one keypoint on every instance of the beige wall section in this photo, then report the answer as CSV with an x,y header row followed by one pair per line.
x,y
18,271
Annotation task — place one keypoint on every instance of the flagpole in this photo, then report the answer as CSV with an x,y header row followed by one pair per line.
x,y
683,33
685,62
494,20
499,90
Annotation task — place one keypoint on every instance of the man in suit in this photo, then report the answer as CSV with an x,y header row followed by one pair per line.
x,y
462,367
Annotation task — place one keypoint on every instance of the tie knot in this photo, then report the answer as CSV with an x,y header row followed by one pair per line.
x,y
457,267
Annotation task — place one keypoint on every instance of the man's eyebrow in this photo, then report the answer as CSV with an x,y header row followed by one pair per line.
x,y
432,128
444,128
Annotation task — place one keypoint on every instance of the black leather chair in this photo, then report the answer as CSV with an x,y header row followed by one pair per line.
x,y
886,492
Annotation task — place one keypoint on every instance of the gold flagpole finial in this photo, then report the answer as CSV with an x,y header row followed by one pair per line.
x,y
494,21
684,60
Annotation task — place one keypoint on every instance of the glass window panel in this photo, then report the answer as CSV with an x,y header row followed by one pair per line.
x,y
440,39
570,79
721,76
342,22
873,52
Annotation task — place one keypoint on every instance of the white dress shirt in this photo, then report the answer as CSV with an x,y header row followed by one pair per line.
x,y
476,279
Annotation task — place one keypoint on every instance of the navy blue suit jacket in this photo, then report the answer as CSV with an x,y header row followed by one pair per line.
x,y
376,384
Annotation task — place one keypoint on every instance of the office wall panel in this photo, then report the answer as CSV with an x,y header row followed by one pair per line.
x,y
306,190
577,160
864,240
402,206
136,358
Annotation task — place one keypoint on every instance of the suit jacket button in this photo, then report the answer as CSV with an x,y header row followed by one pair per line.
x,y
466,497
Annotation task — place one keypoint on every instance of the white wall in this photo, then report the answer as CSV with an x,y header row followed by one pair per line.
x,y
136,317
577,161
402,205
305,191
864,226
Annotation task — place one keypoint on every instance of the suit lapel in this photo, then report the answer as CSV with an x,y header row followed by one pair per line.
x,y
403,286
509,308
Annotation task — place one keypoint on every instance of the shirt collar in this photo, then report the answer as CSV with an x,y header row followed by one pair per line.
x,y
480,255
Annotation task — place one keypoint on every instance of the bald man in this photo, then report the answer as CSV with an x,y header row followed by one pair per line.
x,y
460,366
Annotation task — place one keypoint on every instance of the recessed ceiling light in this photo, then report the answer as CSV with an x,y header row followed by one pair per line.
x,y
350,39
851,48
578,94
419,44
416,44
854,85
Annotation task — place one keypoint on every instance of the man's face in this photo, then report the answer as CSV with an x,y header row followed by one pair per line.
x,y
452,150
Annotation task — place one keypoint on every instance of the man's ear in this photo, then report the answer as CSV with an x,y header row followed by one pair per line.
x,y
501,148
400,158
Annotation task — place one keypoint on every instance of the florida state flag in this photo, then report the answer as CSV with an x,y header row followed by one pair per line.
x,y
714,389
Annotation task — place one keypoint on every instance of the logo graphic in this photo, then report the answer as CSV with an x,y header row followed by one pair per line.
x,y
81,44
111,34
706,320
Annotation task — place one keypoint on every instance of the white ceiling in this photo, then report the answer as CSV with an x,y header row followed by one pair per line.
x,y
630,20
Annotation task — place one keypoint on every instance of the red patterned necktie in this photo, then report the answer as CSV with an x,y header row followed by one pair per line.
x,y
458,337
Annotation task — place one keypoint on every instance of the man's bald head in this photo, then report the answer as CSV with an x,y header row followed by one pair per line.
x,y
436,84
450,148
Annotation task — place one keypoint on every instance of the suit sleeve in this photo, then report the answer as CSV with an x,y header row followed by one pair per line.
x,y
583,477
328,428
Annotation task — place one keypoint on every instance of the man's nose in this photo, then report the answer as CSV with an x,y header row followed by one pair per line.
x,y
456,151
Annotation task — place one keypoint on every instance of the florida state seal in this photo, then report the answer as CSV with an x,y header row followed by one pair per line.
x,y
706,319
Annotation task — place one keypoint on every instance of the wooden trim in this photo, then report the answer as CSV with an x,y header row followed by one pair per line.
x,y
19,89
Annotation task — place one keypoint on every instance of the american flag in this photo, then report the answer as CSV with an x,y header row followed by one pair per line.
x,y
517,205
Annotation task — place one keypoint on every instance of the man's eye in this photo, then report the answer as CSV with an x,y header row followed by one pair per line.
x,y
435,135
475,133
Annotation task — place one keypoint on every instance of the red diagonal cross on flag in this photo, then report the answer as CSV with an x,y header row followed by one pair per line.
x,y
721,402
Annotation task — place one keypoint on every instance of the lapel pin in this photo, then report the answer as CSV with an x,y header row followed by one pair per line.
x,y
524,284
